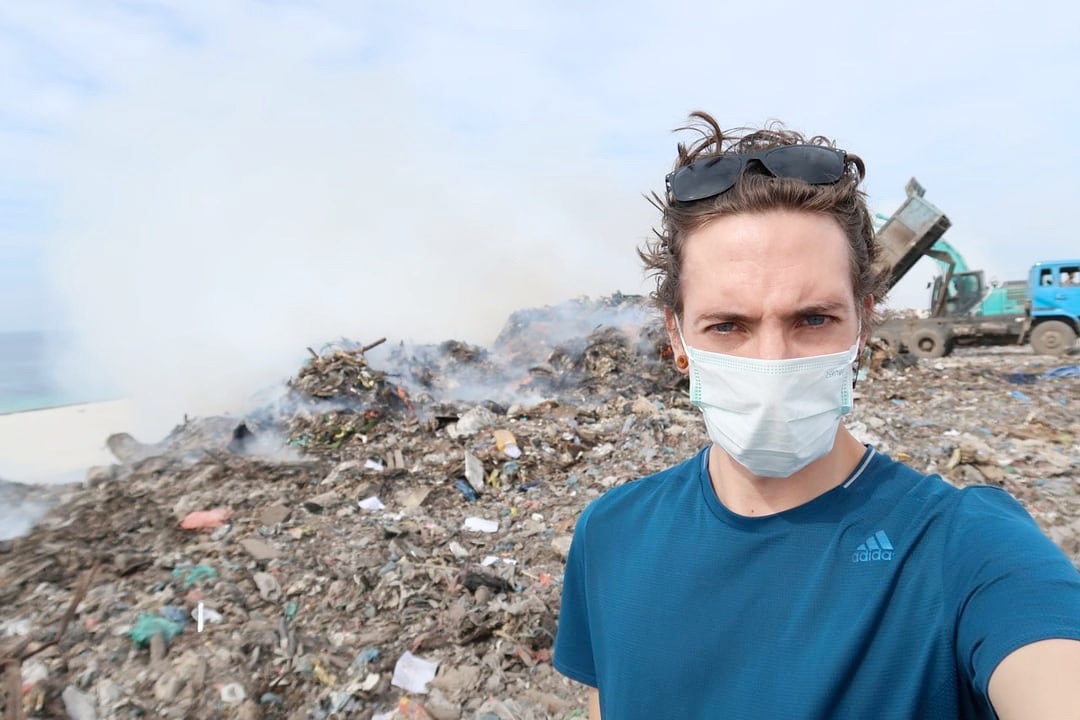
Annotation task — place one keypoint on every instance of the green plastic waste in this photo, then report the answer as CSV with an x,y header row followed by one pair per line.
x,y
147,626
194,574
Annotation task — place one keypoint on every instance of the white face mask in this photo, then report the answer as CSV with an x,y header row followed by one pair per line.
x,y
773,417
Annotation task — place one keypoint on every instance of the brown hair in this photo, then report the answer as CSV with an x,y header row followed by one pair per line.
x,y
756,191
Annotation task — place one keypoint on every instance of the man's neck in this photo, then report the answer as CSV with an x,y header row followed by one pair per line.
x,y
744,493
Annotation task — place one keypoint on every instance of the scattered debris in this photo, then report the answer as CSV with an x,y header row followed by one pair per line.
x,y
483,525
206,519
399,528
413,673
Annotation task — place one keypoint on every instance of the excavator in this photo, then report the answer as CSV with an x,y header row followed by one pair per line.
x,y
1043,311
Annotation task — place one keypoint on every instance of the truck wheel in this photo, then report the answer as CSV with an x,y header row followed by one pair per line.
x,y
891,341
1052,337
929,343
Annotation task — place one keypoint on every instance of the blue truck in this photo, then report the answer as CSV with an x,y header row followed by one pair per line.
x,y
964,310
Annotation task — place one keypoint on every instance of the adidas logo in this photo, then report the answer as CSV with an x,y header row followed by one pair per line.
x,y
876,547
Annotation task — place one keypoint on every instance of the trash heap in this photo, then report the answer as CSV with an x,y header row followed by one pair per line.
x,y
387,539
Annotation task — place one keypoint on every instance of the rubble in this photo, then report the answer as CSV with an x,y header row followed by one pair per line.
x,y
387,539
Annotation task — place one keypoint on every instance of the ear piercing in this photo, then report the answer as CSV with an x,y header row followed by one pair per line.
x,y
681,362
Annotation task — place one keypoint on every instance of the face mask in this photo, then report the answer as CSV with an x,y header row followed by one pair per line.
x,y
773,417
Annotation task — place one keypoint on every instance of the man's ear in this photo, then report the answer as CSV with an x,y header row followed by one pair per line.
x,y
678,350
868,304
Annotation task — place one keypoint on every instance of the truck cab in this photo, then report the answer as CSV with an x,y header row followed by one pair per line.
x,y
1054,296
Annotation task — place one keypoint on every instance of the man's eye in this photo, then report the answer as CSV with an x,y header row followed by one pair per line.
x,y
724,327
816,320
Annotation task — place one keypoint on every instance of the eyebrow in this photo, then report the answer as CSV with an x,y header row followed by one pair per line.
x,y
823,308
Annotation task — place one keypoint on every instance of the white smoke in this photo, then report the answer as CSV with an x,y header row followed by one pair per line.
x,y
224,209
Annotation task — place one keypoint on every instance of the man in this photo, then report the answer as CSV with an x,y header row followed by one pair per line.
x,y
787,571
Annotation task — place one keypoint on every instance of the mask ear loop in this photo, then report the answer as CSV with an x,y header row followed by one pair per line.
x,y
855,366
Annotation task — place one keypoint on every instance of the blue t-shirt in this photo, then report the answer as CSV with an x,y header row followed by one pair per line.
x,y
893,595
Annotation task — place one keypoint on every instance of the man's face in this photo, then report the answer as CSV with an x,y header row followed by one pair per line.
x,y
770,286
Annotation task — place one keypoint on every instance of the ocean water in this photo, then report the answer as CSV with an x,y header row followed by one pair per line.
x,y
27,383
26,374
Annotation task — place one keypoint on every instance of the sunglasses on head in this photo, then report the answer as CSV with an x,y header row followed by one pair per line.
x,y
715,175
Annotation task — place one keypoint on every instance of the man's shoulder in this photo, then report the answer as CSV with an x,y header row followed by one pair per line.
x,y
958,512
891,480
624,503
988,506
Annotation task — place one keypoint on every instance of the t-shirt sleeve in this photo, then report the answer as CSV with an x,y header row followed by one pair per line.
x,y
573,641
1012,586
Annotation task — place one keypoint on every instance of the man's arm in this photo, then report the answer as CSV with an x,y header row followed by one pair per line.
x,y
1040,680
594,704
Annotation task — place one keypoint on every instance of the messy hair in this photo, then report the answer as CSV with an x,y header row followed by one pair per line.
x,y
755,191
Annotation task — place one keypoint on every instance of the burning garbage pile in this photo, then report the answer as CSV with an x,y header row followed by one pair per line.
x,y
387,538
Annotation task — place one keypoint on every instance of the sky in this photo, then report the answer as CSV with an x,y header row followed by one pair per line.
x,y
198,189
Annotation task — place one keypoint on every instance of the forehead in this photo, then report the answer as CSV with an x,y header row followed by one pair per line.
x,y
759,262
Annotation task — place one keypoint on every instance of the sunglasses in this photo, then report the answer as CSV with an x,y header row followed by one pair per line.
x,y
712,176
